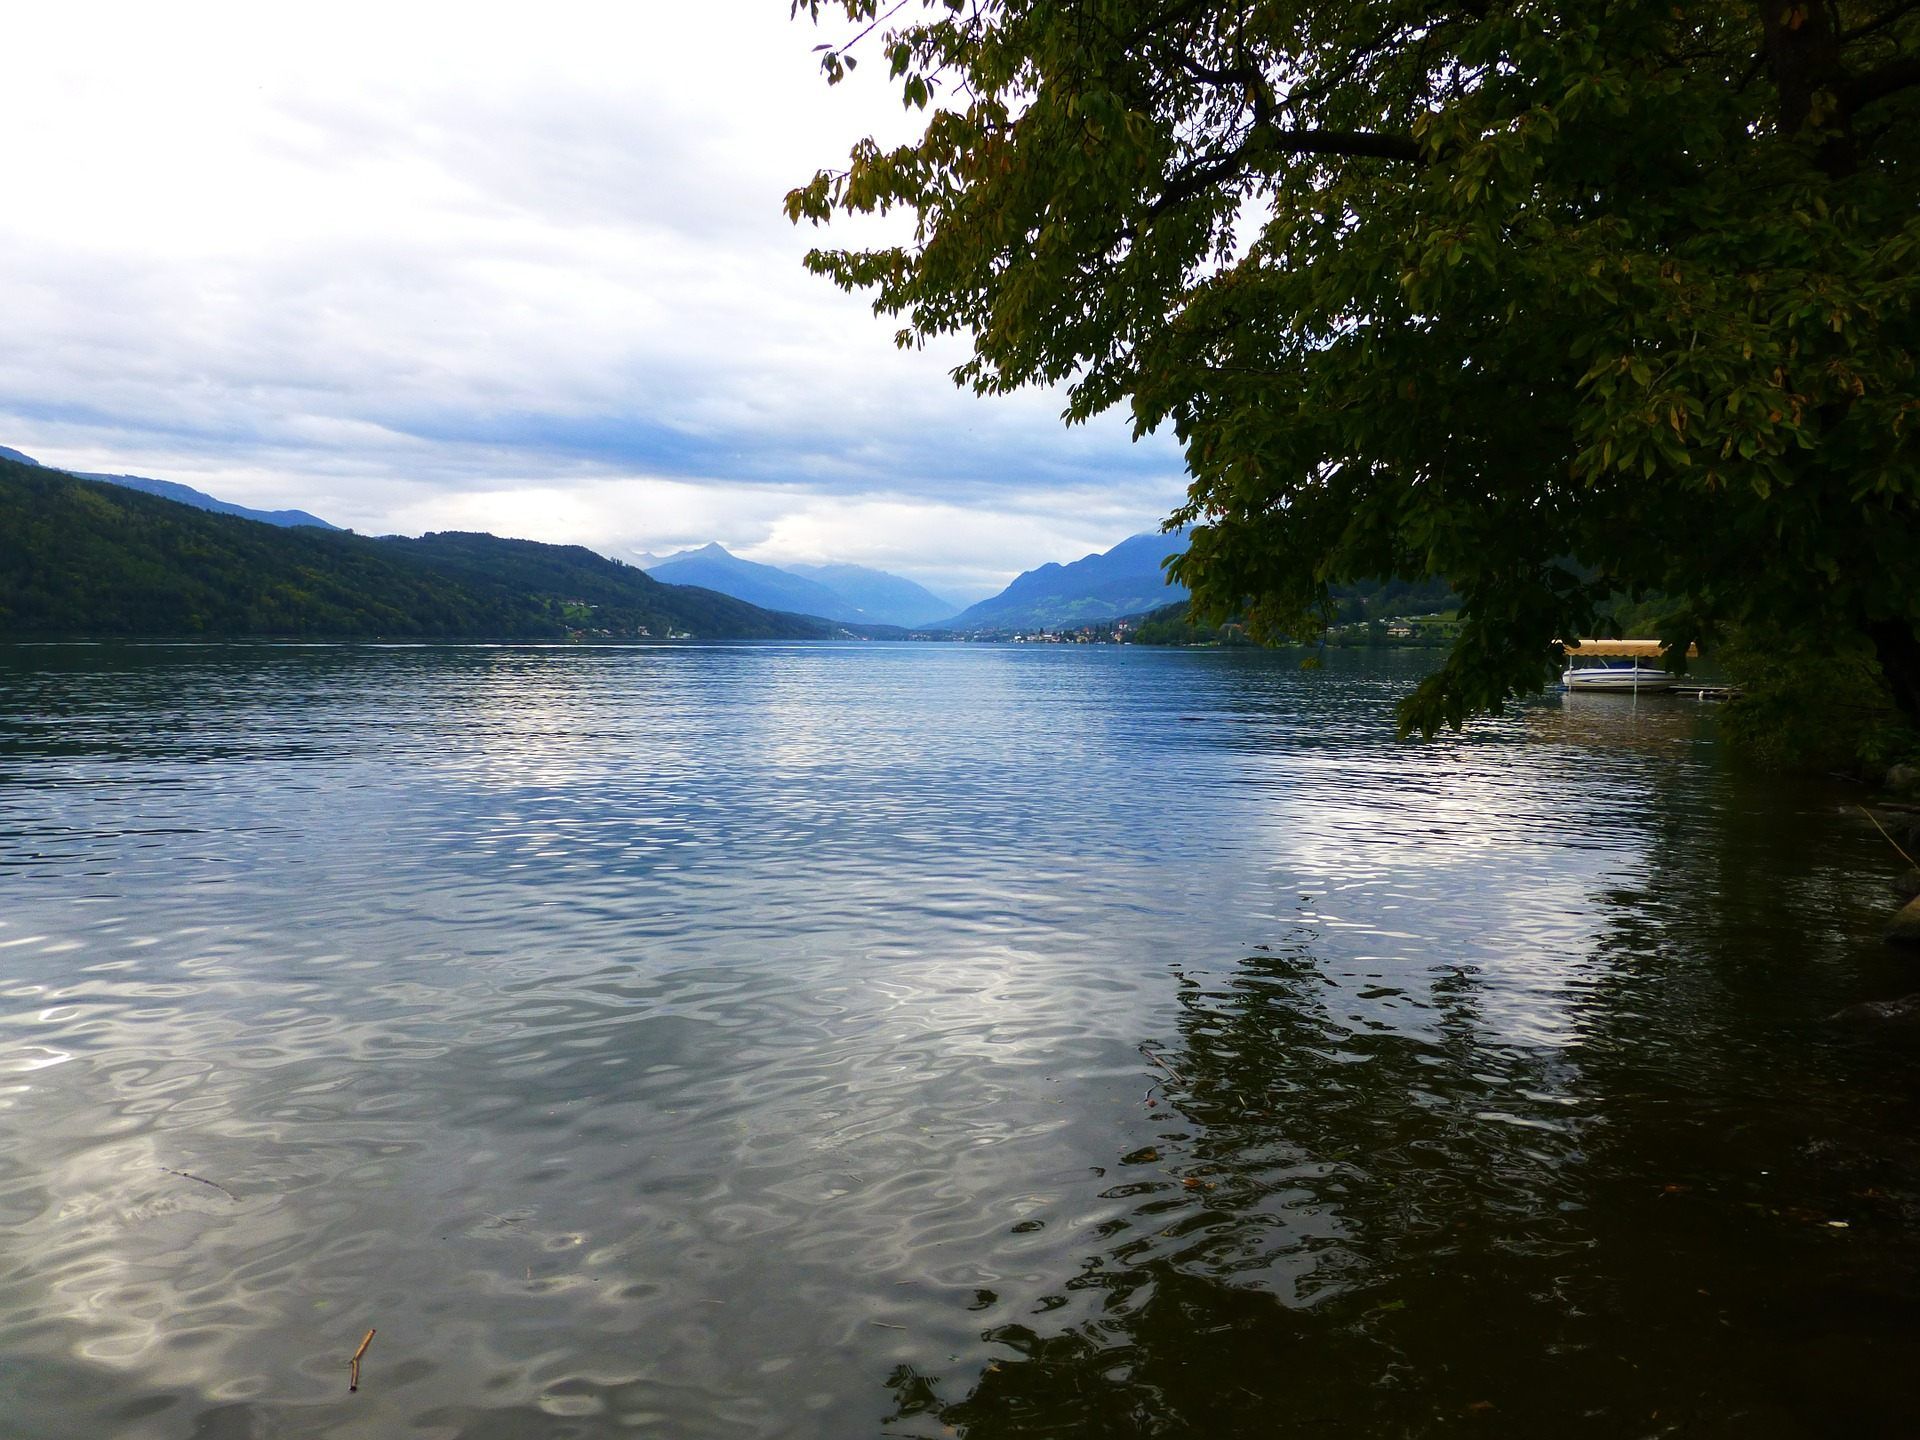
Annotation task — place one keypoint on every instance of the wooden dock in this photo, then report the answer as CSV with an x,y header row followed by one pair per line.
x,y
1693,690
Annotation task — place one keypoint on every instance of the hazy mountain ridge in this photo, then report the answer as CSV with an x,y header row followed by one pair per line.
x,y
184,494
880,593
856,594
714,567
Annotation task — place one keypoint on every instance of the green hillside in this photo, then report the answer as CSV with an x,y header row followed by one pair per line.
x,y
78,557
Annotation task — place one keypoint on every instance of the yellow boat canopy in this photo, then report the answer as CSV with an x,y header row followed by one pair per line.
x,y
1620,649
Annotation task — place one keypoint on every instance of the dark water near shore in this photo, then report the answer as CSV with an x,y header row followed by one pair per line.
x,y
891,1040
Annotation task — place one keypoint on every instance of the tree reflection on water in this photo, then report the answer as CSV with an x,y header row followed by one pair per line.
x,y
1380,1219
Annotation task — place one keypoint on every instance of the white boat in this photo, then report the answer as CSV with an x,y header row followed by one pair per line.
x,y
1630,677
1619,667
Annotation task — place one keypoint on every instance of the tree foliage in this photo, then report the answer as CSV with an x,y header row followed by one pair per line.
x,y
1811,708
1560,301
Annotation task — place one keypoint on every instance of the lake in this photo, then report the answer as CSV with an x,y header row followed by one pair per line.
x,y
854,1040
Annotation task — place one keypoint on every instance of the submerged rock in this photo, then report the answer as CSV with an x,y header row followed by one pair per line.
x,y
1907,886
1905,929
1902,1014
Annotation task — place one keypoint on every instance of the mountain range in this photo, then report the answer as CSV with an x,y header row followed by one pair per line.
x,y
1126,580
186,495
85,557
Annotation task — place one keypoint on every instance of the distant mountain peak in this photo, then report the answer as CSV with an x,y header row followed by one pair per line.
x,y
712,550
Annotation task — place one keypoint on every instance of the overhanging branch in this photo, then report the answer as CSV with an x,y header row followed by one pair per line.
x,y
1231,165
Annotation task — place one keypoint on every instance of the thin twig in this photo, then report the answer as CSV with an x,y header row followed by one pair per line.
x,y
201,1179
353,1365
1889,839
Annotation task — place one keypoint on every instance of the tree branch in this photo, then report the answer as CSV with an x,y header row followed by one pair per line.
x,y
1890,78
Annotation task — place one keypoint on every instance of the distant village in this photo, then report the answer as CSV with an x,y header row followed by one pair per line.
x,y
1170,627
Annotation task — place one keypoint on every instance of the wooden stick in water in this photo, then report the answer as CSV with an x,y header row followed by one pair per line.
x,y
353,1365
1154,1056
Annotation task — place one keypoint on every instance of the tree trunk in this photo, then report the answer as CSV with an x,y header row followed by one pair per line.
x,y
1803,57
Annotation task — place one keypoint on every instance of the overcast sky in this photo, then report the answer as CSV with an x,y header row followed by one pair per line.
x,y
506,267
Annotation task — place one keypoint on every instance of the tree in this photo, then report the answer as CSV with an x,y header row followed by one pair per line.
x,y
1555,300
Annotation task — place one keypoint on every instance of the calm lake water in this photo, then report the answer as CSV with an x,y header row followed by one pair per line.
x,y
890,1040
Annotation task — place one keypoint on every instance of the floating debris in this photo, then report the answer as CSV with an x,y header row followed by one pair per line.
x,y
353,1365
202,1180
